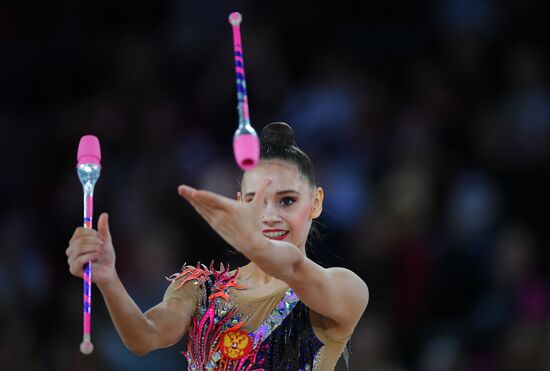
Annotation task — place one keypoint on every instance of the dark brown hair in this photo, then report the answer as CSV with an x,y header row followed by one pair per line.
x,y
277,143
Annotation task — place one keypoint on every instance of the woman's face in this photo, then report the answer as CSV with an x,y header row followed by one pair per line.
x,y
290,203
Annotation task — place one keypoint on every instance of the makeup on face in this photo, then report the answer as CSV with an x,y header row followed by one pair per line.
x,y
288,200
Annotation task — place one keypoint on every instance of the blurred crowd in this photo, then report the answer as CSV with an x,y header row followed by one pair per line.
x,y
428,125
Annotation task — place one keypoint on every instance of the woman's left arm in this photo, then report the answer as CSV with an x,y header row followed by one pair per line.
x,y
338,294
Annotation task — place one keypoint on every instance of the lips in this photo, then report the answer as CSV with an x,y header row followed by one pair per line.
x,y
275,234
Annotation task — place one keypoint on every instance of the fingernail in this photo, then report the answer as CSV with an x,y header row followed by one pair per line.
x,y
186,189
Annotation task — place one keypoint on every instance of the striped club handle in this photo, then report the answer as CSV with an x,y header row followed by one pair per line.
x,y
86,347
246,145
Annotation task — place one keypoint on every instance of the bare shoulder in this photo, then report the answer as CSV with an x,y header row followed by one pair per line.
x,y
353,298
350,282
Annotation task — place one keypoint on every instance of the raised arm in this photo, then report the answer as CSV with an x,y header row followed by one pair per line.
x,y
338,294
159,327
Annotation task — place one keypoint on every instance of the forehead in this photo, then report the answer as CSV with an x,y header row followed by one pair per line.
x,y
283,175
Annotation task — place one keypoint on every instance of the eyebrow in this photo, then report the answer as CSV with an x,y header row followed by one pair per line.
x,y
251,194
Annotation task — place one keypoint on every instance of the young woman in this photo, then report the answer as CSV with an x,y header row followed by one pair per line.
x,y
281,311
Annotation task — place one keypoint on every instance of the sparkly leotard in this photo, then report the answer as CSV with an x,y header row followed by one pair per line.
x,y
230,332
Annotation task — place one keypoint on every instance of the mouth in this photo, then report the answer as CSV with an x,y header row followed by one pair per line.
x,y
275,234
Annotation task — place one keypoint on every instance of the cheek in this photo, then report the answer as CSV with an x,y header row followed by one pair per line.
x,y
300,218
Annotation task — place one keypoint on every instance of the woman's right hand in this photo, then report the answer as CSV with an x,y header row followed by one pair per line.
x,y
87,245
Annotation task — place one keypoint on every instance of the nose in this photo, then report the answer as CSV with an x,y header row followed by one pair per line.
x,y
270,215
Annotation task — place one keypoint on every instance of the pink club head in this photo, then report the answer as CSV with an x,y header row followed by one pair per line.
x,y
235,18
89,151
246,148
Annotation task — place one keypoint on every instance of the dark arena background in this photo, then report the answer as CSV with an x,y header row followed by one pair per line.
x,y
428,124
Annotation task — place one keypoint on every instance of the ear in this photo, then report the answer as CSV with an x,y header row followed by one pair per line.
x,y
239,197
317,207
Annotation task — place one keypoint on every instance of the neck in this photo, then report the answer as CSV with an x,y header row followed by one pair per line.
x,y
252,273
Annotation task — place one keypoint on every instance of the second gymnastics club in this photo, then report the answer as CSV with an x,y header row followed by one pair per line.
x,y
246,145
88,168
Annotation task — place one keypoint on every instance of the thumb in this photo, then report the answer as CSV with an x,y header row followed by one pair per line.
x,y
103,227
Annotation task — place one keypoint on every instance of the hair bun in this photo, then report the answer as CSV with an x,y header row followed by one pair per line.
x,y
277,134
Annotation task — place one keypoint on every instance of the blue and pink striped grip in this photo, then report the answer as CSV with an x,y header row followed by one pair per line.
x,y
86,346
246,146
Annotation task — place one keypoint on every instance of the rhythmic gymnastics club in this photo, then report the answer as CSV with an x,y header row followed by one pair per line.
x,y
88,168
246,145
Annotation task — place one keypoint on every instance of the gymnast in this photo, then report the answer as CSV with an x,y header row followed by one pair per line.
x,y
281,311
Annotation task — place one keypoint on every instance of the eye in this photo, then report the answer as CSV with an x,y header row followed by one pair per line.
x,y
287,201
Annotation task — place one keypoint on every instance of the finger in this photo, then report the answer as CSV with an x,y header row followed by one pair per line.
x,y
76,245
202,196
260,195
85,249
186,191
207,204
81,231
202,211
213,200
93,239
189,194
77,265
83,259
77,232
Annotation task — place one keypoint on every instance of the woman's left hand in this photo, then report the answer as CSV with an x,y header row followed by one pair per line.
x,y
236,222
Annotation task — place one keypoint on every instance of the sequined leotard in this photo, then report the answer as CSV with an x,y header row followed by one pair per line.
x,y
221,338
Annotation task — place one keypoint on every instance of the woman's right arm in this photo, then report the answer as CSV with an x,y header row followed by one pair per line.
x,y
159,327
